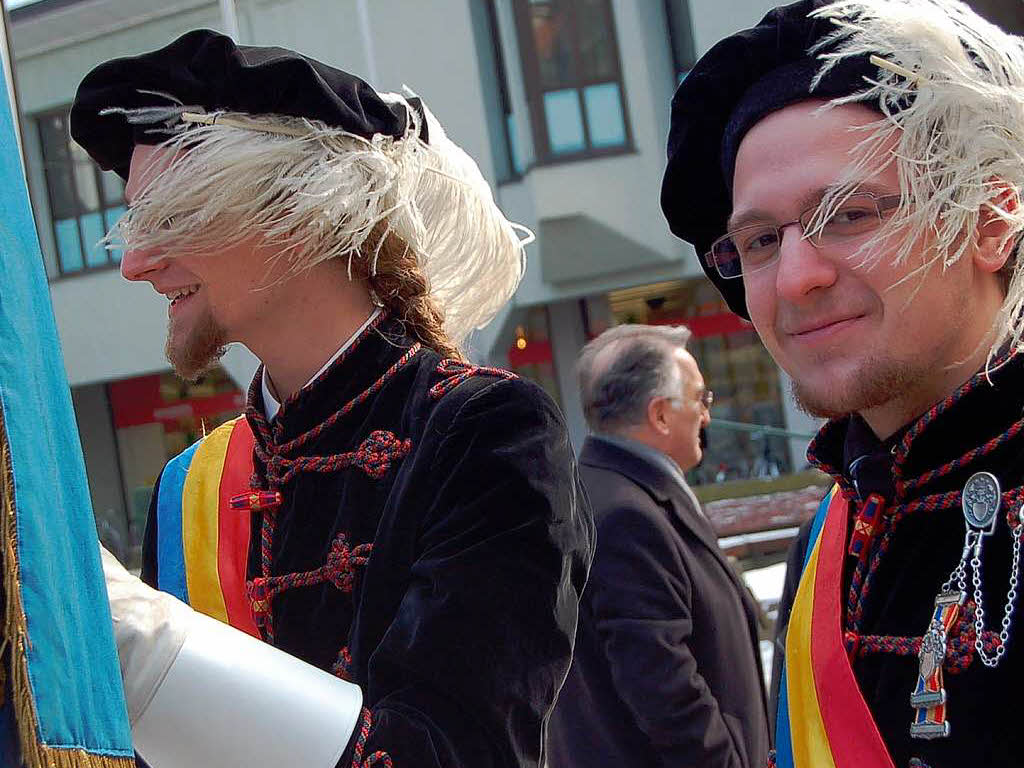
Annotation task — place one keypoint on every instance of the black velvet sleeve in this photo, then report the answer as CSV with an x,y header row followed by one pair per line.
x,y
467,673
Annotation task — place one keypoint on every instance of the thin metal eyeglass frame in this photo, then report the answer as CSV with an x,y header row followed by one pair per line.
x,y
882,203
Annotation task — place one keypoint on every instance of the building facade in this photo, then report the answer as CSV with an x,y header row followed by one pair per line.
x,y
564,104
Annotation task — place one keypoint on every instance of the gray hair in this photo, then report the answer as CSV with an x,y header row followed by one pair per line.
x,y
621,370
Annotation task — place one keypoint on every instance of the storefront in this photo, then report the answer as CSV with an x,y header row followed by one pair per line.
x,y
154,418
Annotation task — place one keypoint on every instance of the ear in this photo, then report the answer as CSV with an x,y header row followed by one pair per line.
x,y
657,416
995,242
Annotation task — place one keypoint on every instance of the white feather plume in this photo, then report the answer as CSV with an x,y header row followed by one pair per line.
x,y
953,102
320,194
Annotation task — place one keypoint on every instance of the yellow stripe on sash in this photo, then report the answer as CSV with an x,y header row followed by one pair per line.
x,y
810,743
200,508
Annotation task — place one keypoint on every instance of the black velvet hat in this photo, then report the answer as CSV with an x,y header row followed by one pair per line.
x,y
208,70
736,83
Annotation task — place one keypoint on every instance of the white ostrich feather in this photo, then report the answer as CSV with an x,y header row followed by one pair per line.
x,y
318,193
952,98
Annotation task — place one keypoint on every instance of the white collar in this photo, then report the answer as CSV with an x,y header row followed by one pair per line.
x,y
271,405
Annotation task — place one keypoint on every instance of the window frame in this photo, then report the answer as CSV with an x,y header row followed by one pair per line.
x,y
535,91
49,167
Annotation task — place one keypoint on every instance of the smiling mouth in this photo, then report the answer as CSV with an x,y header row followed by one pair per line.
x,y
825,329
182,294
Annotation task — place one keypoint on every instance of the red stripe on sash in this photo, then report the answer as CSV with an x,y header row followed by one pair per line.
x,y
852,733
233,529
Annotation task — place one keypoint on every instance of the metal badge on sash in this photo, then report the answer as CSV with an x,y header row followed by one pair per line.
x,y
980,501
929,696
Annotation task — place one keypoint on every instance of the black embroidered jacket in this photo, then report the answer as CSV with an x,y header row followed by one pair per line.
x,y
445,501
890,592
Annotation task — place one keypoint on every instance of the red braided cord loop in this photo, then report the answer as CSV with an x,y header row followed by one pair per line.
x,y
923,423
374,456
456,372
972,455
864,571
342,666
293,445
339,570
376,758
959,649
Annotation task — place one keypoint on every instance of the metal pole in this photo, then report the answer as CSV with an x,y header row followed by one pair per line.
x,y
230,18
364,27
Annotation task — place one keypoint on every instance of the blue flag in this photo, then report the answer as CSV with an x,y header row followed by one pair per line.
x,y
63,704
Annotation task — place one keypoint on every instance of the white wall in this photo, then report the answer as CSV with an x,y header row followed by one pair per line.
x,y
716,19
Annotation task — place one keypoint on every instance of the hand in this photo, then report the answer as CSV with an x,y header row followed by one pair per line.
x,y
149,627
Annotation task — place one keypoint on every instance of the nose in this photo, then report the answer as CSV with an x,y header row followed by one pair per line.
x,y
141,263
802,267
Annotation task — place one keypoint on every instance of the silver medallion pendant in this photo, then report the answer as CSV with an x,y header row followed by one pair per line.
x,y
980,501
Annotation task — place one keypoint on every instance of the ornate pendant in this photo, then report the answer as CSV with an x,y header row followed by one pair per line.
x,y
929,695
980,501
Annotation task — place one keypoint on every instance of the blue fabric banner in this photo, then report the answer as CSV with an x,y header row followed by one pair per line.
x,y
63,698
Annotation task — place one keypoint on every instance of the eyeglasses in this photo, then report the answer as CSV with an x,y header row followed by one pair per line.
x,y
748,249
706,399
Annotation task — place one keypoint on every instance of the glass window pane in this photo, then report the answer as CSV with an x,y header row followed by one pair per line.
x,y
513,145
604,115
564,121
597,52
92,232
69,246
62,194
552,41
112,216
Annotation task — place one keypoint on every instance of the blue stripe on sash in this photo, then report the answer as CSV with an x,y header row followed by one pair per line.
x,y
783,737
170,549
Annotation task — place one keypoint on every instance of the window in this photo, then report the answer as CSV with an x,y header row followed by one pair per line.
x,y
573,78
85,202
680,32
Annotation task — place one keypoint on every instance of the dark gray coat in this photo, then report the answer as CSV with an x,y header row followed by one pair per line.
x,y
667,670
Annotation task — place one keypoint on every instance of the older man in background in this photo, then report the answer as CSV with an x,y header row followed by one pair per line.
x,y
666,670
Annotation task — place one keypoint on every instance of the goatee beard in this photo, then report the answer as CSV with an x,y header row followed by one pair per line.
x,y
875,383
205,345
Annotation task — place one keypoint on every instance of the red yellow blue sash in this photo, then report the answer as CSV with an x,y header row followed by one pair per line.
x,y
823,720
203,544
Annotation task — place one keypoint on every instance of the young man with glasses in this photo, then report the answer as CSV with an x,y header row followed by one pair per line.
x,y
861,167
667,669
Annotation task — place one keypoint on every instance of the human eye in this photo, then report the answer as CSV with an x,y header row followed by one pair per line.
x,y
757,244
851,219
